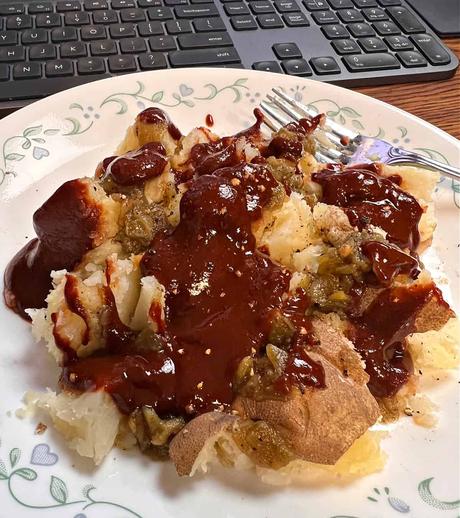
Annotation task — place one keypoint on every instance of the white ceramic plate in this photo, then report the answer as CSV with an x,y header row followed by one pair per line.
x,y
65,136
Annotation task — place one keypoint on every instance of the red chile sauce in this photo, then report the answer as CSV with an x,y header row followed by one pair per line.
x,y
299,370
220,295
292,148
370,199
209,120
64,226
388,261
158,116
221,292
135,167
208,157
379,335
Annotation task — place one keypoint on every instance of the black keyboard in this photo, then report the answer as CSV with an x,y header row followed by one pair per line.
x,y
47,46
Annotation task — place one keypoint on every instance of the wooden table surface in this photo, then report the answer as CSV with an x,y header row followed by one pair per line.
x,y
437,102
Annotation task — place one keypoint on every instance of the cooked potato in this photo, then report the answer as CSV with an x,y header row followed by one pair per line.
x,y
321,424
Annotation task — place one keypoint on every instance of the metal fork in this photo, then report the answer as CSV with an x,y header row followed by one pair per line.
x,y
342,144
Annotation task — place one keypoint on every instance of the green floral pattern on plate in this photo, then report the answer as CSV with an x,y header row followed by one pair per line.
x,y
59,494
58,491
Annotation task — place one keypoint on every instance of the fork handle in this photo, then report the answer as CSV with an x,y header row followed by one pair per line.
x,y
399,156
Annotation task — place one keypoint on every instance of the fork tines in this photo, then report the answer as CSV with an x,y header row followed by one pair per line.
x,y
334,142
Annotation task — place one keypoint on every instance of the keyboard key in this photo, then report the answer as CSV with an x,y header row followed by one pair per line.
x,y
323,17
103,48
7,9
64,34
77,18
122,63
270,21
360,29
150,28
217,56
34,36
8,37
132,15
93,32
267,66
297,67
15,53
350,15
27,71
69,5
346,47
411,58
40,7
43,52
295,20
162,43
406,20
372,44
59,67
4,72
177,2
375,14
236,8
384,28
152,61
133,46
325,65
74,49
123,4
286,6
90,66
369,62
122,30
431,49
209,25
204,40
105,17
398,43
365,3
244,23
315,5
21,21
48,20
178,26
160,13
261,7
386,3
341,4
94,5
149,3
286,50
196,11
335,31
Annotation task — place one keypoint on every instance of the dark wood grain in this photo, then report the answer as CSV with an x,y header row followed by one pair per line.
x,y
437,102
